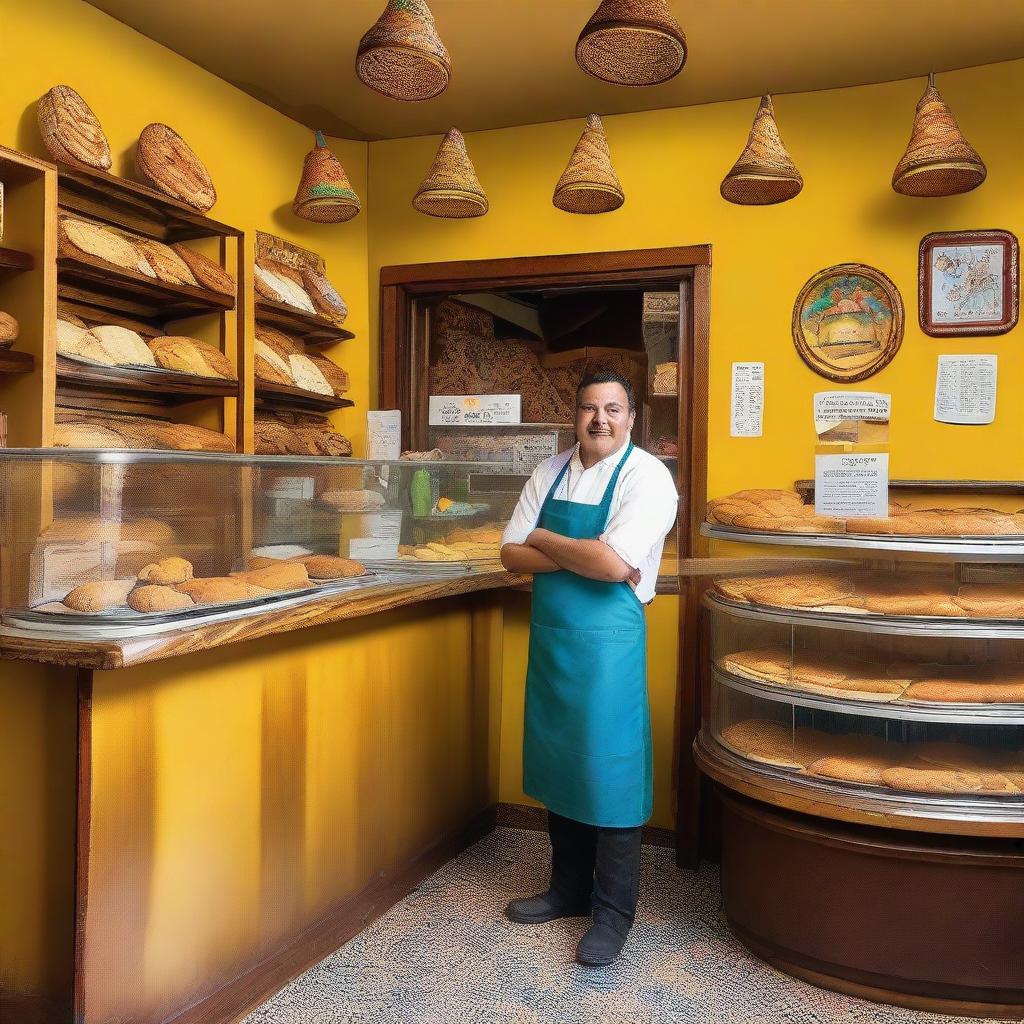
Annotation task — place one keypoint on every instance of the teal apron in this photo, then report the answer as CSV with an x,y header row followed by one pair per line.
x,y
587,737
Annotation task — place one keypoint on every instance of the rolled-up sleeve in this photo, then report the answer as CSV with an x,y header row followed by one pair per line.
x,y
527,511
646,513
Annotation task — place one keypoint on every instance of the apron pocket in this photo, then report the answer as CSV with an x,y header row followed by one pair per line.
x,y
586,690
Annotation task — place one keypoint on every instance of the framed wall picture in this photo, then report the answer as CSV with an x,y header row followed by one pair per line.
x,y
968,282
848,322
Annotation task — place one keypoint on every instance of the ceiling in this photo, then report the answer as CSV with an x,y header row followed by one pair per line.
x,y
513,60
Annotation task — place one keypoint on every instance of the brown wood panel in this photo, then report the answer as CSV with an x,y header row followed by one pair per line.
x,y
168,386
134,206
87,279
314,330
540,270
112,654
859,907
16,362
14,260
285,396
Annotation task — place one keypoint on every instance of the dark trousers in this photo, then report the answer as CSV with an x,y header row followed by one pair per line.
x,y
598,867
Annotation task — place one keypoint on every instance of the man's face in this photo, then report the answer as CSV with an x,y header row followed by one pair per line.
x,y
603,419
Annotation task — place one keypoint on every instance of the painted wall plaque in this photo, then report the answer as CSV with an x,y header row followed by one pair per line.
x,y
848,322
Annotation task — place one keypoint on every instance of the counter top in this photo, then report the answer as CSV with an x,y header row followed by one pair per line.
x,y
123,653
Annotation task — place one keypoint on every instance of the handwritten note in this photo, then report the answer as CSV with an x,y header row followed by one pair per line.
x,y
965,389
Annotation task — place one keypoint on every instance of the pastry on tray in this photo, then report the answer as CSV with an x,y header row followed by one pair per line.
x,y
152,597
99,596
331,567
167,571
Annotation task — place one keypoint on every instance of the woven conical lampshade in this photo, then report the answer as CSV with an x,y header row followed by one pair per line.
x,y
938,160
589,183
325,195
764,173
402,56
632,42
451,189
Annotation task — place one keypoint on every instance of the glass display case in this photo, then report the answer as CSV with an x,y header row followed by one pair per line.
x,y
96,541
886,687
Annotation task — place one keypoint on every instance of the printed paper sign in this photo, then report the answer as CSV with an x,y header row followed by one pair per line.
x,y
465,410
530,452
854,416
965,389
851,485
747,402
384,434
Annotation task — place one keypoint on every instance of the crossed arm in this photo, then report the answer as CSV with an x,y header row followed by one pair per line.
x,y
545,551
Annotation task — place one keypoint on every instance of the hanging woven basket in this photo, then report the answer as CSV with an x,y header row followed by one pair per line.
x,y
765,173
451,189
938,160
589,183
325,195
402,56
632,42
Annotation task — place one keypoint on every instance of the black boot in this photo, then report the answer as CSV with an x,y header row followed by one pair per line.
x,y
616,885
573,849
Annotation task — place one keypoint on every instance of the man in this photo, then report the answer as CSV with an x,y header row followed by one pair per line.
x,y
590,526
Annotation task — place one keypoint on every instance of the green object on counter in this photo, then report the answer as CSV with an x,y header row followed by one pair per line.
x,y
420,493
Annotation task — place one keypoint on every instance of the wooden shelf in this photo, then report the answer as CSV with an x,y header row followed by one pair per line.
x,y
13,261
133,206
16,362
170,388
662,398
314,330
284,397
85,279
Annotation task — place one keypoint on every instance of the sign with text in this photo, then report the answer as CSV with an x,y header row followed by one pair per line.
x,y
747,400
474,410
851,485
844,415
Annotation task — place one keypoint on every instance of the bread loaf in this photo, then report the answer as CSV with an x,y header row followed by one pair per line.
x,y
666,379
330,567
83,429
278,288
335,376
985,684
353,500
154,598
166,263
992,600
287,433
769,742
166,572
8,330
283,344
280,576
124,347
270,367
76,237
925,595
207,273
864,769
217,589
71,131
99,596
801,590
167,161
307,376
190,355
325,298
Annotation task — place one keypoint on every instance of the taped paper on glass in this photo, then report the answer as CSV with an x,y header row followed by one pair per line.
x,y
855,417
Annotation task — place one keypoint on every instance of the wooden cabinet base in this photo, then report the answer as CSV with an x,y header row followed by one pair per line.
x,y
929,922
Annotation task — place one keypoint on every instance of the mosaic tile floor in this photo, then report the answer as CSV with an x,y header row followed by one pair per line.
x,y
447,955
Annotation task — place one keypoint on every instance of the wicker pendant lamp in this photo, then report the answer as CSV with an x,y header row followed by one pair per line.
x,y
451,189
938,160
589,183
765,173
632,42
402,56
325,195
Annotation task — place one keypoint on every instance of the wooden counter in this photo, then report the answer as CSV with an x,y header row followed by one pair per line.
x,y
104,655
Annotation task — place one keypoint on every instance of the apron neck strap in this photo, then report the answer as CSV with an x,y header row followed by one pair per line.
x,y
606,501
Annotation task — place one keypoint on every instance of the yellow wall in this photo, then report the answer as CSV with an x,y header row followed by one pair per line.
x,y
671,162
253,153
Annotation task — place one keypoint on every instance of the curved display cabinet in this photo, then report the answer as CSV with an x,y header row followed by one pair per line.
x,y
871,769
959,549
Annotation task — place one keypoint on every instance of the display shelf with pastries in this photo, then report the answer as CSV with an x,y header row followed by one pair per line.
x,y
920,522
133,543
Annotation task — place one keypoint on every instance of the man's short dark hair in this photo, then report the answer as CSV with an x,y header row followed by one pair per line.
x,y
607,377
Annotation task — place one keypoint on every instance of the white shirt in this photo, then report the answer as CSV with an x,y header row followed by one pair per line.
x,y
642,512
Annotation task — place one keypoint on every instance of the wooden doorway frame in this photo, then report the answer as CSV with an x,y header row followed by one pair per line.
x,y
399,380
